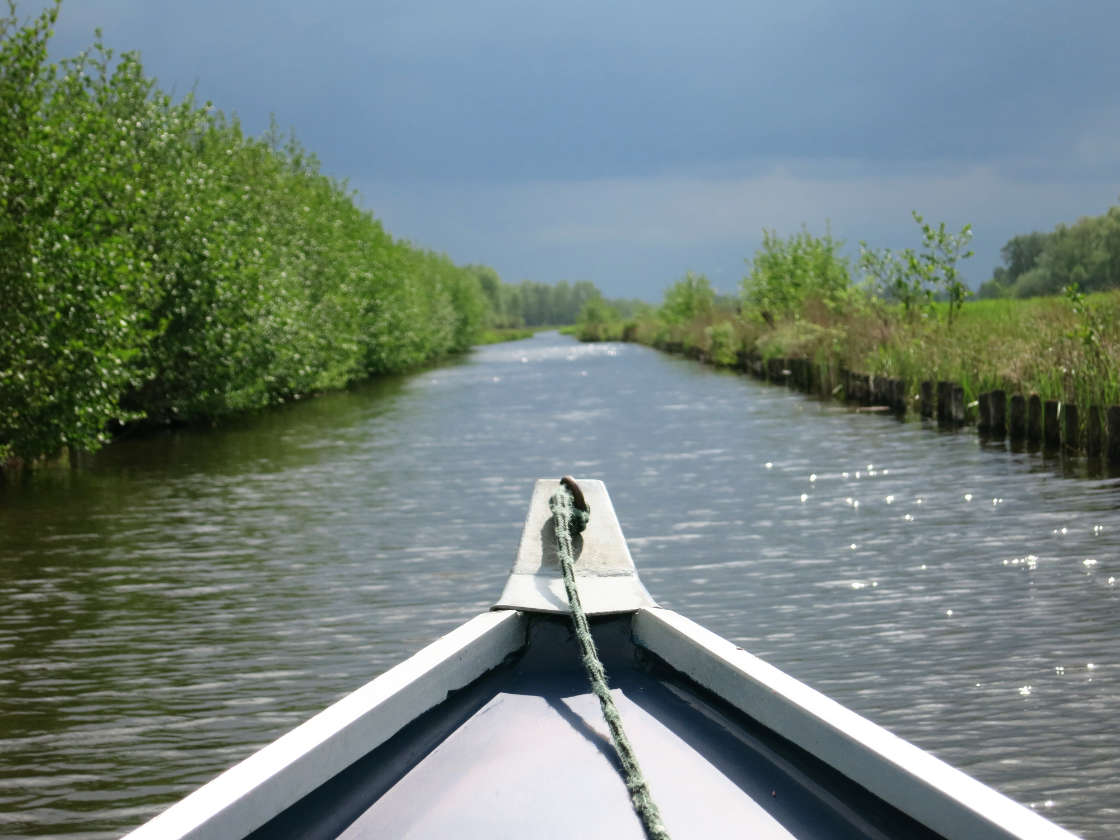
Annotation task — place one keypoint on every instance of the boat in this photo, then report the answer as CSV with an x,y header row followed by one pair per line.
x,y
493,731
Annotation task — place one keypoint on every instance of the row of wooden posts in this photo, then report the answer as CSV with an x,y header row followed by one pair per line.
x,y
1020,418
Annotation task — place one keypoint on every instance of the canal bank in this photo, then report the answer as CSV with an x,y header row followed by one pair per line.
x,y
1051,428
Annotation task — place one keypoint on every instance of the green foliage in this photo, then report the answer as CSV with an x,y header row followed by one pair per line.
x,y
690,298
911,278
1086,253
533,304
722,343
938,261
899,278
786,273
598,320
158,265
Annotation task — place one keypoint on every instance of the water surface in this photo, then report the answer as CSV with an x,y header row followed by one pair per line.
x,y
173,603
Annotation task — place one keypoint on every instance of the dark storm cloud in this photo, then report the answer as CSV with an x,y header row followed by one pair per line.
x,y
506,114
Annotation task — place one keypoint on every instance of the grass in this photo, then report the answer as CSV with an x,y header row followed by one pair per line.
x,y
501,334
1062,348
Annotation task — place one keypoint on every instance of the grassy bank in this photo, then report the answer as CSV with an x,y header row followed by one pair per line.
x,y
502,334
1041,345
800,303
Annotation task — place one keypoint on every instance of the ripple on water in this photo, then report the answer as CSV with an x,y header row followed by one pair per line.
x,y
180,601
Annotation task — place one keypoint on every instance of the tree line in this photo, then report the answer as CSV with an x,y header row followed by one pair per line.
x,y
1085,254
158,265
532,304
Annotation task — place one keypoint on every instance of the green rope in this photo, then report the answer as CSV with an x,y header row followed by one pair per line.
x,y
571,520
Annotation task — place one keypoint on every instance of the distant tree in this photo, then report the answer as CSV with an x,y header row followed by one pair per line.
x,y
688,299
785,273
1086,253
491,285
1021,254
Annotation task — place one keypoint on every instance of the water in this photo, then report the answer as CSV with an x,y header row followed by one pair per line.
x,y
171,604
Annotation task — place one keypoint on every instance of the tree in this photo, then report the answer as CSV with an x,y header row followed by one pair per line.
x,y
688,299
943,250
785,273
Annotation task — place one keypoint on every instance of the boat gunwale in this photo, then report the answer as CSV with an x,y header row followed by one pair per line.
x,y
253,791
933,792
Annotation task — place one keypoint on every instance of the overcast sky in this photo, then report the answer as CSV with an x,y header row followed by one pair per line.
x,y
627,142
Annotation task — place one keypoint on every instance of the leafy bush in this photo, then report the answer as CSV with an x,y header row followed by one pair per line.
x,y
1086,253
158,265
786,272
690,298
911,278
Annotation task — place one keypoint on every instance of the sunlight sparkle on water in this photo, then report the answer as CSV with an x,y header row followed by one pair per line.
x,y
968,497
1025,690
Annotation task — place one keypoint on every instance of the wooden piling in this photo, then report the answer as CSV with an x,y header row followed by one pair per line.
x,y
956,405
1093,432
1071,431
898,396
926,399
1034,419
774,369
1114,434
1051,432
876,390
984,422
944,397
998,400
1017,428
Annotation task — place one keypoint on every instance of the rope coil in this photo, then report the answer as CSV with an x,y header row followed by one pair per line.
x,y
570,515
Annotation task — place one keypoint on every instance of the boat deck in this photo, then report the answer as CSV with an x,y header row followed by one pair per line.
x,y
524,751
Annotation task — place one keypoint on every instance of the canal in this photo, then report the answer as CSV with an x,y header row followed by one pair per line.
x,y
175,602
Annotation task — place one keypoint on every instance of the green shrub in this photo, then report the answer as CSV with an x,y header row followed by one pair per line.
x,y
785,273
158,265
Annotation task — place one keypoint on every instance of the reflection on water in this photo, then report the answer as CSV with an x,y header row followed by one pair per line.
x,y
175,602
